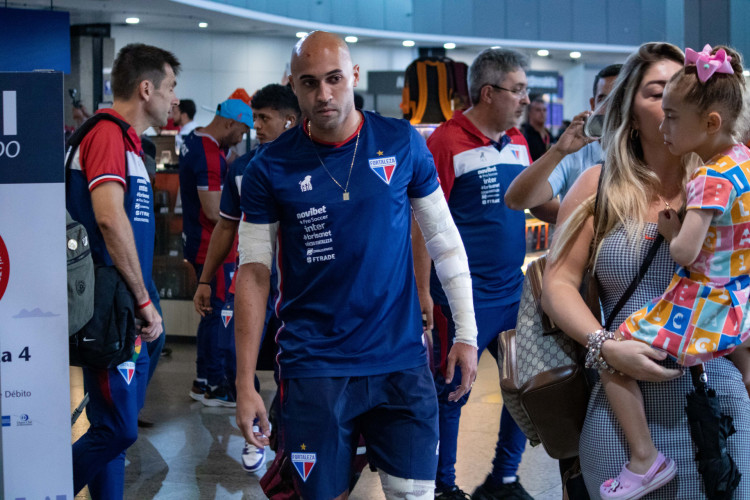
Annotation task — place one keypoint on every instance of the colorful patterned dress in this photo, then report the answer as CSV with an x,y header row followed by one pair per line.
x,y
704,312
603,447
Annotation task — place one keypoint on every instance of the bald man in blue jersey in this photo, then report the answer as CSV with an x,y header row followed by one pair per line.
x,y
334,198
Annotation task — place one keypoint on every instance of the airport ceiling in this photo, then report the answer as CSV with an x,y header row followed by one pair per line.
x,y
174,15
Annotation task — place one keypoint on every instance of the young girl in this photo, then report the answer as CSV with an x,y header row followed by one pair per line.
x,y
704,312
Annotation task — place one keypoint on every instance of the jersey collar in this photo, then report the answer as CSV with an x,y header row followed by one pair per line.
x,y
306,130
470,128
203,134
131,131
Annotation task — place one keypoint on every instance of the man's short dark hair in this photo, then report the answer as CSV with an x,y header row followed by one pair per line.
x,y
609,71
187,106
491,66
137,62
275,96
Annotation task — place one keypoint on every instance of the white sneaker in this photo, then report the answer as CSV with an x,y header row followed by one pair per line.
x,y
253,458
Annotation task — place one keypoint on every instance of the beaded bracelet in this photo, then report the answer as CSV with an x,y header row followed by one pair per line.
x,y
594,358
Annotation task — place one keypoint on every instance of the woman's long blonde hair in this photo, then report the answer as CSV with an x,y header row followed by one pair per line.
x,y
627,183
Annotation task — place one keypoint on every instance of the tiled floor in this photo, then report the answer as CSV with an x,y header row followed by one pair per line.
x,y
193,452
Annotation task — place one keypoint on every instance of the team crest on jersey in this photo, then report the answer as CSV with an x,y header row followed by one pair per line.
x,y
127,370
304,463
383,167
226,315
514,154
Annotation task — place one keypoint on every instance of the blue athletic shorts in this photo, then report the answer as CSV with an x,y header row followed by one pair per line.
x,y
322,419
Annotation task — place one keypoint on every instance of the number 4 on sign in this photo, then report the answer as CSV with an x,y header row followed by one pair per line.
x,y
7,357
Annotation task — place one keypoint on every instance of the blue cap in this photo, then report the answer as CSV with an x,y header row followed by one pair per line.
x,y
237,107
237,110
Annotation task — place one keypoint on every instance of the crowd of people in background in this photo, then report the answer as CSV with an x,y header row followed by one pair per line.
x,y
290,240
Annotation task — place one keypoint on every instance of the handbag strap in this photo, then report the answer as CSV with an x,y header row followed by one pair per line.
x,y
644,265
636,280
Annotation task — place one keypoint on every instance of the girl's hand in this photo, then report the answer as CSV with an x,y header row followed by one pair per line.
x,y
637,360
669,224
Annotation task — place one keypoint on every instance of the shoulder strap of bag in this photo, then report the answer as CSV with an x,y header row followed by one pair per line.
x,y
75,140
641,272
636,280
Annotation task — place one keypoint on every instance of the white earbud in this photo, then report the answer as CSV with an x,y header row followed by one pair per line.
x,y
288,122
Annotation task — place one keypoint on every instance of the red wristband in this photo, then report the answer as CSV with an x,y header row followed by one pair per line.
x,y
144,305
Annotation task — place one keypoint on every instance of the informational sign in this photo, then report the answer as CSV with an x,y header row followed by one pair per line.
x,y
542,82
34,374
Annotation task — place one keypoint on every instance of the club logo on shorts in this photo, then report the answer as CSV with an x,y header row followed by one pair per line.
x,y
304,463
127,370
383,167
226,315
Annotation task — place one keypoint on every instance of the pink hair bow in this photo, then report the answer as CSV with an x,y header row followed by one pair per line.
x,y
707,64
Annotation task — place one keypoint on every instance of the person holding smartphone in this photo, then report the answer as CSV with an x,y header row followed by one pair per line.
x,y
573,153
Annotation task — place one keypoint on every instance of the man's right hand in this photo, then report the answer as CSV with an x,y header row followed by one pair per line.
x,y
152,328
202,299
249,407
573,138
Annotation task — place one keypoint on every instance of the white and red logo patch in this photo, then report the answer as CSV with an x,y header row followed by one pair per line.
x,y
127,370
304,463
383,167
226,315
4,267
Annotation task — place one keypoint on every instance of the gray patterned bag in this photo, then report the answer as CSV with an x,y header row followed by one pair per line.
x,y
542,377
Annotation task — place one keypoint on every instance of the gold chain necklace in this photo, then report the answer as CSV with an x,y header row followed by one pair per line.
x,y
666,203
348,178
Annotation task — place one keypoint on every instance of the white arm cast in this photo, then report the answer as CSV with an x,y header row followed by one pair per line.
x,y
257,243
451,264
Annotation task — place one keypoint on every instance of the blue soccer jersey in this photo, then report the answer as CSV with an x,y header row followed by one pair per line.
x,y
346,293
230,194
203,167
105,156
230,205
475,174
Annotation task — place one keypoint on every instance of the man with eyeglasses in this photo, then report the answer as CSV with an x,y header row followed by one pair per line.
x,y
477,154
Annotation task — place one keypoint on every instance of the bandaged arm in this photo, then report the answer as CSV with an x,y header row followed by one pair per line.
x,y
256,251
256,243
451,264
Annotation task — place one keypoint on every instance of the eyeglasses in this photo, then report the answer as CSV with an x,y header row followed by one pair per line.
x,y
518,94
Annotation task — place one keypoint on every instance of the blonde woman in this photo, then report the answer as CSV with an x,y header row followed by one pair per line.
x,y
640,178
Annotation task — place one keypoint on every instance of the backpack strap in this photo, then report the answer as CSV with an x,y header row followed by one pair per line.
x,y
75,140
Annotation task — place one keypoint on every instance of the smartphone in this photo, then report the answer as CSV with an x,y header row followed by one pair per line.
x,y
594,126
74,96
